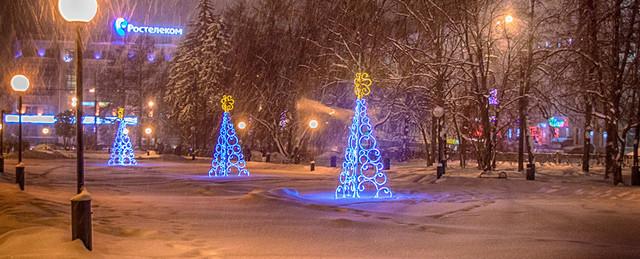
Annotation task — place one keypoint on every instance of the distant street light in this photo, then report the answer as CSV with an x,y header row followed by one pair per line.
x,y
79,12
508,19
242,125
151,104
20,84
313,124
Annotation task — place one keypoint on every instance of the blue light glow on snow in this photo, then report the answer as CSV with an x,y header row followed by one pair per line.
x,y
97,54
122,150
362,175
228,159
328,198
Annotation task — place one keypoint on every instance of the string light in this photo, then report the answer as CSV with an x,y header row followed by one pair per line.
x,y
227,157
362,175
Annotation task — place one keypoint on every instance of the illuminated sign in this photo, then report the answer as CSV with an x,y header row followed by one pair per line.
x,y
50,119
123,27
557,122
101,104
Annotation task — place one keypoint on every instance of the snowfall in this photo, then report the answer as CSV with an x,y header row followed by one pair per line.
x,y
171,208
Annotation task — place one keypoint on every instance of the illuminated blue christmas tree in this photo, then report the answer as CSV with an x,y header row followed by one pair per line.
x,y
121,149
362,175
227,157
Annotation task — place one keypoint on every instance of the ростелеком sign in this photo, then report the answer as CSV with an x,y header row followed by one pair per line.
x,y
123,27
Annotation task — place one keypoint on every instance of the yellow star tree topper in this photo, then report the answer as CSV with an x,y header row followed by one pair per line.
x,y
227,103
362,84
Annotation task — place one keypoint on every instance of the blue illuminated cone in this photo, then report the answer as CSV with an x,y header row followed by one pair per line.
x,y
227,156
121,149
362,175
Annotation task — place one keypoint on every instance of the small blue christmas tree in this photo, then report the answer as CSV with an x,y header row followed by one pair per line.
x,y
227,156
362,175
121,149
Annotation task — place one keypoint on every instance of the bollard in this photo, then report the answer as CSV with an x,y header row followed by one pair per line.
x,y
334,161
386,164
20,175
635,175
312,165
81,219
1,163
531,171
268,160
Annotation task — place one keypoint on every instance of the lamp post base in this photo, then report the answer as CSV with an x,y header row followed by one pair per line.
x,y
334,161
386,164
440,170
1,164
635,175
531,171
20,176
81,227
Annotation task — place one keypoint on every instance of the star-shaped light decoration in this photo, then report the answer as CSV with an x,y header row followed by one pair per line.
x,y
227,103
362,84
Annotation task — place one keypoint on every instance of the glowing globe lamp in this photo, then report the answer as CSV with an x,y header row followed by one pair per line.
x,y
508,19
313,124
20,83
242,125
78,10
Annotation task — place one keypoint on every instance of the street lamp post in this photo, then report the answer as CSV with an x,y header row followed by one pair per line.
x,y
95,116
242,126
313,124
438,112
20,84
193,143
80,12
148,132
2,142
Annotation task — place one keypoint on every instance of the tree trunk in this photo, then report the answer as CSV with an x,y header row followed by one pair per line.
x,y
486,137
461,144
612,164
521,138
423,130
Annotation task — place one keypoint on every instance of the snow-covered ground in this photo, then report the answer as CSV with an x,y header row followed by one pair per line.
x,y
172,209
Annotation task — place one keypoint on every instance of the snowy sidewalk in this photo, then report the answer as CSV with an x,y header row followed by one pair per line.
x,y
172,209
